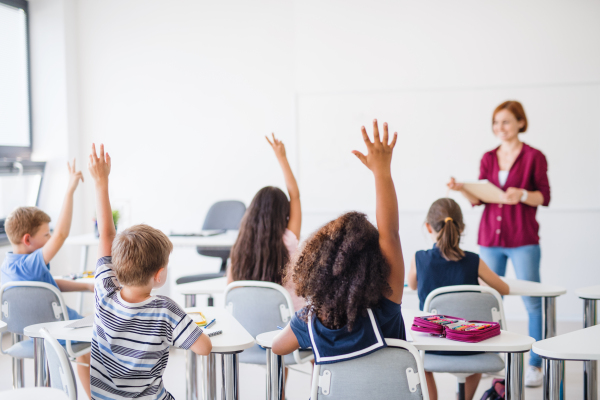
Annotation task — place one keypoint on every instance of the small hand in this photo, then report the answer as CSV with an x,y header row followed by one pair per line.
x,y
277,145
379,155
512,196
74,177
453,185
99,166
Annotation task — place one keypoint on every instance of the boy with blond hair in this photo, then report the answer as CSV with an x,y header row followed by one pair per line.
x,y
133,329
28,230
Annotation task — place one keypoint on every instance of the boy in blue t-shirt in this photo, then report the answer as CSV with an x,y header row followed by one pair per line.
x,y
33,247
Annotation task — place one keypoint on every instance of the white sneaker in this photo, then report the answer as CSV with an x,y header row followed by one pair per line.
x,y
534,377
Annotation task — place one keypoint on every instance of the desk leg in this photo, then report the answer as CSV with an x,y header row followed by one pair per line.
x,y
515,384
39,362
82,266
18,365
277,377
554,378
549,331
590,368
209,377
269,376
230,366
191,375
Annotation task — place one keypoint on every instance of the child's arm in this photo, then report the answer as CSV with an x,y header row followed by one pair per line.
x,y
70,286
202,346
100,169
492,279
285,342
412,274
63,225
295,222
378,160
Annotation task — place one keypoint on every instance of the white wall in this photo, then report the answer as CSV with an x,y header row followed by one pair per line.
x,y
181,92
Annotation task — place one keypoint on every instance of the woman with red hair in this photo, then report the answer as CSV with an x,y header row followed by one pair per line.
x,y
510,229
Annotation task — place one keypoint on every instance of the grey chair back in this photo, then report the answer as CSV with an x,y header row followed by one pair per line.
x,y
395,372
29,303
260,307
61,371
470,302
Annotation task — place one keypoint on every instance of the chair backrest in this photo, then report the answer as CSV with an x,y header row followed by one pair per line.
x,y
224,215
28,303
395,372
61,371
471,302
260,307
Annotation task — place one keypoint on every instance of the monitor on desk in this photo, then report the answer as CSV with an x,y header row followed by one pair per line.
x,y
20,184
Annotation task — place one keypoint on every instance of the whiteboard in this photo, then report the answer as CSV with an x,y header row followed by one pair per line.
x,y
443,133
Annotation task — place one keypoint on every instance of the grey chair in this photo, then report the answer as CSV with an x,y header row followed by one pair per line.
x,y
471,302
225,215
61,371
28,303
261,307
395,372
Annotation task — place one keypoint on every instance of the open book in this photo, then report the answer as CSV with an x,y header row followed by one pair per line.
x,y
485,191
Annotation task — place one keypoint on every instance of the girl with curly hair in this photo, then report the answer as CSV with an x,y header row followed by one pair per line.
x,y
446,264
269,231
351,275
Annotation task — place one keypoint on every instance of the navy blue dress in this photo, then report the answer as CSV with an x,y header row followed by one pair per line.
x,y
335,345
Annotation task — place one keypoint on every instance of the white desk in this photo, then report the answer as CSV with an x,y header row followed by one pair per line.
x,y
590,296
233,341
35,393
216,242
579,345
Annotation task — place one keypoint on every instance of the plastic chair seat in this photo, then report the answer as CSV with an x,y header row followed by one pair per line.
x,y
476,363
24,349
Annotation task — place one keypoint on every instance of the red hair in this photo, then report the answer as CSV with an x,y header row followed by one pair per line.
x,y
516,109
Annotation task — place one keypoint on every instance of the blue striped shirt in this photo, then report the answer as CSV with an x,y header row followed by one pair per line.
x,y
130,344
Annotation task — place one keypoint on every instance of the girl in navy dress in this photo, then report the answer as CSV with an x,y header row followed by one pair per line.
x,y
351,274
446,264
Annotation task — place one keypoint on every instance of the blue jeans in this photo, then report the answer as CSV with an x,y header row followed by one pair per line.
x,y
526,260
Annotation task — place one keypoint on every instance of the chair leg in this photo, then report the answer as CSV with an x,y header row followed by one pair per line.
x,y
461,391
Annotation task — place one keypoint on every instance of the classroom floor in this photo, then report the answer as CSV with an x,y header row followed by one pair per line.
x,y
252,377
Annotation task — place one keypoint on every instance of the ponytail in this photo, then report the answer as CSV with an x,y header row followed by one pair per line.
x,y
445,217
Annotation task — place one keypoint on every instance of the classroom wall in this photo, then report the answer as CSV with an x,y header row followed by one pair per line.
x,y
181,92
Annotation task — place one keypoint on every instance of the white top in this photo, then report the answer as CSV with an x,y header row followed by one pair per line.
x,y
233,338
34,393
209,286
3,326
590,292
578,345
533,289
502,177
226,239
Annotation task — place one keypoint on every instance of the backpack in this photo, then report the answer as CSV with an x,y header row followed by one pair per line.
x,y
496,392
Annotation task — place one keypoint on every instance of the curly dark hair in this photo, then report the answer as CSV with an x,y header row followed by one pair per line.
x,y
259,253
341,271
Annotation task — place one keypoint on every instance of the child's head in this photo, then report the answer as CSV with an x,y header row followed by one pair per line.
x,y
140,255
259,252
445,222
28,226
341,271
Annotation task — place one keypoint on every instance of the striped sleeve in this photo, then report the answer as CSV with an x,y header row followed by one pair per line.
x,y
186,333
105,278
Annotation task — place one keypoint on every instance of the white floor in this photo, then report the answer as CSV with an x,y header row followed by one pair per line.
x,y
252,377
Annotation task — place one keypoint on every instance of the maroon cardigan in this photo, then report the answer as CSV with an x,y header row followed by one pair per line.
x,y
504,225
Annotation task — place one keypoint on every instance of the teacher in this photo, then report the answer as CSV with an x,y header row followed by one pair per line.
x,y
510,230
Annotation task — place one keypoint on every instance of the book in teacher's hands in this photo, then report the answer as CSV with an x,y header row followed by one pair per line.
x,y
485,191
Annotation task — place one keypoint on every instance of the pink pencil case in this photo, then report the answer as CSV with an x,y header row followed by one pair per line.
x,y
454,328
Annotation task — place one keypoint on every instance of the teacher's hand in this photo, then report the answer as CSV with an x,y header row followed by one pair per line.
x,y
453,185
512,196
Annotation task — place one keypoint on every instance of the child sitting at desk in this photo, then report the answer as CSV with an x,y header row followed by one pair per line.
x,y
352,275
446,264
269,232
133,330
28,230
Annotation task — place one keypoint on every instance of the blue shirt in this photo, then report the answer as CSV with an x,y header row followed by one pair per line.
x,y
26,267
335,345
434,271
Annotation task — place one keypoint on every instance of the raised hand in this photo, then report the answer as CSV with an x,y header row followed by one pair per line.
x,y
74,177
379,152
453,185
278,146
99,166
